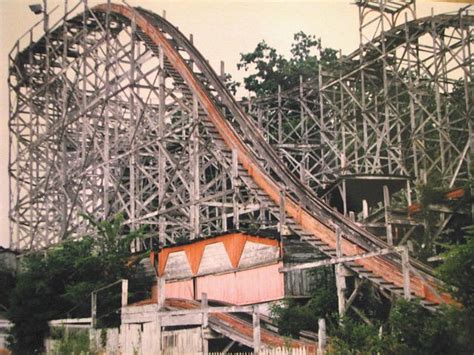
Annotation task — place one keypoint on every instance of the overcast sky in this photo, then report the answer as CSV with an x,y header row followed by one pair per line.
x,y
222,29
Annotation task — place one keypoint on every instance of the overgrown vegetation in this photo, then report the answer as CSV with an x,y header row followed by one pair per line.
x,y
407,328
291,316
7,284
75,342
58,283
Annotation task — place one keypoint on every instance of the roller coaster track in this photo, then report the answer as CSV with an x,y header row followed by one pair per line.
x,y
239,143
311,216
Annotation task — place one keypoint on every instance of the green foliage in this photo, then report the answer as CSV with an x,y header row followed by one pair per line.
x,y
357,338
76,342
410,327
230,84
416,330
449,330
291,316
7,284
57,283
271,69
457,271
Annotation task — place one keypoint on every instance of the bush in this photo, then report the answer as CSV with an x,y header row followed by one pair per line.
x,y
292,317
76,342
357,338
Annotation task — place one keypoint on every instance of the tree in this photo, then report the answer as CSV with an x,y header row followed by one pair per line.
x,y
457,271
7,284
272,69
58,283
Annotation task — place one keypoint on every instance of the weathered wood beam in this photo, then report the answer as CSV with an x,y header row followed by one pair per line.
x,y
342,259
321,337
256,329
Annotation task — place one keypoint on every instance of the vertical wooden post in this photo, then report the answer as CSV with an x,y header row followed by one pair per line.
x,y
365,209
159,335
161,291
340,280
195,173
282,217
386,203
256,329
321,336
406,273
344,193
161,155
235,184
282,211
93,309
280,120
408,193
352,216
204,306
222,71
124,292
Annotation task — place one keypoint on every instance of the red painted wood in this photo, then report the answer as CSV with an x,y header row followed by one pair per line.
x,y
257,285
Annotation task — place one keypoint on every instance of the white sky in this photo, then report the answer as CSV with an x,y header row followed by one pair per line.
x,y
222,29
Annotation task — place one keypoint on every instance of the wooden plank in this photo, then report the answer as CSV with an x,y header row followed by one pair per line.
x,y
70,321
183,319
342,259
224,309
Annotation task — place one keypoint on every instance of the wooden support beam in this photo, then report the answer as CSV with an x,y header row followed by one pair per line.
x,y
362,315
354,293
235,185
386,203
227,347
161,281
340,279
176,321
204,307
321,336
365,209
406,273
256,329
224,309
93,309
352,216
342,259
222,71
159,334
73,321
124,292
